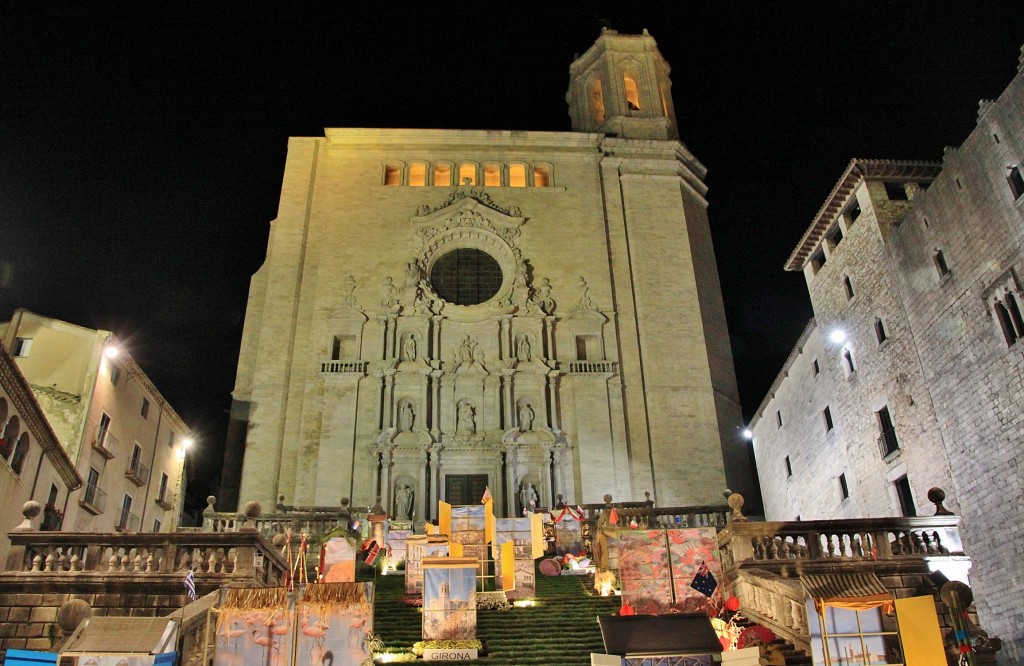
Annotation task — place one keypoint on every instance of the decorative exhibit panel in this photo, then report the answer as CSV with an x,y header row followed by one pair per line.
x,y
644,571
688,548
339,564
568,536
397,545
333,623
469,524
419,546
449,598
518,531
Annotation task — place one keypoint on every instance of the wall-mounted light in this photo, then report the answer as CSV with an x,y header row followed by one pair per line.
x,y
838,336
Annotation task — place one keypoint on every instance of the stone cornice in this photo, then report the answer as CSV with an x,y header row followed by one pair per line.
x,y
444,139
21,396
798,349
855,172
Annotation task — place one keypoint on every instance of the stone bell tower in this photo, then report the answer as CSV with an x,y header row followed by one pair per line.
x,y
620,87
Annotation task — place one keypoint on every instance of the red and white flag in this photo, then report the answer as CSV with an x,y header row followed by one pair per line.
x,y
487,495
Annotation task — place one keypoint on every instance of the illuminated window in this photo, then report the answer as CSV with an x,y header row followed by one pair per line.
x,y
541,177
442,175
492,175
597,99
632,93
392,175
517,175
467,174
417,174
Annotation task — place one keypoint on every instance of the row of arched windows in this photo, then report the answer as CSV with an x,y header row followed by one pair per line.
x,y
632,93
448,174
13,440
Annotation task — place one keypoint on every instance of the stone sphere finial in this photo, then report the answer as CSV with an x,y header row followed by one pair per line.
x,y
726,493
735,501
71,614
607,499
345,501
279,541
252,511
937,496
210,501
30,510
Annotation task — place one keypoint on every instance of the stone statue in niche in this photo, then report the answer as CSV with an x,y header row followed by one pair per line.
x,y
403,502
348,288
526,417
409,348
520,279
527,497
468,352
523,351
542,296
585,302
388,293
466,424
406,416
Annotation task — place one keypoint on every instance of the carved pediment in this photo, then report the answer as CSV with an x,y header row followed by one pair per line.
x,y
468,207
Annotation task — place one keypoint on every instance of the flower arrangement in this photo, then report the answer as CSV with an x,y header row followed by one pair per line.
x,y
469,644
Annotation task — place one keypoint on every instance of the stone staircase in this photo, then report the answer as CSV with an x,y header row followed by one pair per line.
x,y
561,629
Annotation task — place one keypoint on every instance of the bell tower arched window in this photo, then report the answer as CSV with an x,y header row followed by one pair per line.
x,y
632,92
597,100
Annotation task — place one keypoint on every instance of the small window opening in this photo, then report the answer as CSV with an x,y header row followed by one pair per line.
x,y
958,185
880,332
541,177
848,287
778,418
1010,321
1016,181
827,413
492,175
853,210
442,175
467,174
392,176
145,408
517,175
844,489
896,191
632,93
925,220
835,236
156,525
586,348
815,368
995,136
343,347
417,174
848,361
817,260
115,374
789,468
22,346
940,263
906,497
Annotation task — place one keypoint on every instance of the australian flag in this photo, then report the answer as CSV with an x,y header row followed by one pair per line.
x,y
703,581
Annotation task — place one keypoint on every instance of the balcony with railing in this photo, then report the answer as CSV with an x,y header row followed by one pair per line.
x,y
887,443
93,499
53,519
137,472
165,499
127,521
105,443
332,367
591,367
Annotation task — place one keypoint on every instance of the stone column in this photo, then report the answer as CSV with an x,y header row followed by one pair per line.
x,y
421,495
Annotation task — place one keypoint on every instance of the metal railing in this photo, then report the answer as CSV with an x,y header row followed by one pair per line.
x,y
93,500
127,521
105,443
887,443
137,472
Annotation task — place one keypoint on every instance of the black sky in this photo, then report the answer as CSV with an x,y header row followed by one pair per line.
x,y
142,147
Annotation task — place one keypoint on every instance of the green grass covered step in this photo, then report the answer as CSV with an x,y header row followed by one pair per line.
x,y
561,629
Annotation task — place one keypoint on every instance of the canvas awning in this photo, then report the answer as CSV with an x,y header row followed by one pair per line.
x,y
122,635
678,634
853,591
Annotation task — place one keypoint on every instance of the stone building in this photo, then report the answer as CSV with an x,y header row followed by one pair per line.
x,y
451,309
125,440
919,266
34,465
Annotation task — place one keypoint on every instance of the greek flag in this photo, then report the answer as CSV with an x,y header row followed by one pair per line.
x,y
190,585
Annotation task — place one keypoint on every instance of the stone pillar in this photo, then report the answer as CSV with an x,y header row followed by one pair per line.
x,y
421,494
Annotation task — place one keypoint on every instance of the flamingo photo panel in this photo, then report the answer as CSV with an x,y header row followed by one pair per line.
x,y
255,626
333,621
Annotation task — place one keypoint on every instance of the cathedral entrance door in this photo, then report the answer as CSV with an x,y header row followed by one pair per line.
x,y
463,489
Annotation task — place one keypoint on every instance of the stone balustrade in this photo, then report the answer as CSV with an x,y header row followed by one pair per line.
x,y
775,602
648,516
343,367
831,541
216,559
309,520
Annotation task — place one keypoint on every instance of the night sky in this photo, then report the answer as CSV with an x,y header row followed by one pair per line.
x,y
142,147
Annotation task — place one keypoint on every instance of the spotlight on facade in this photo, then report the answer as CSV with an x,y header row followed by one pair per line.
x,y
111,351
837,336
748,434
183,448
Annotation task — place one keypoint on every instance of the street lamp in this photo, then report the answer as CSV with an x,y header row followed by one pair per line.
x,y
179,504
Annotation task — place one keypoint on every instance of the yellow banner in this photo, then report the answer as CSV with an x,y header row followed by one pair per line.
x,y
919,631
508,566
537,534
455,550
444,517
489,521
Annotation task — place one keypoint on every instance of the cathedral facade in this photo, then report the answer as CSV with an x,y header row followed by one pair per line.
x,y
538,313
